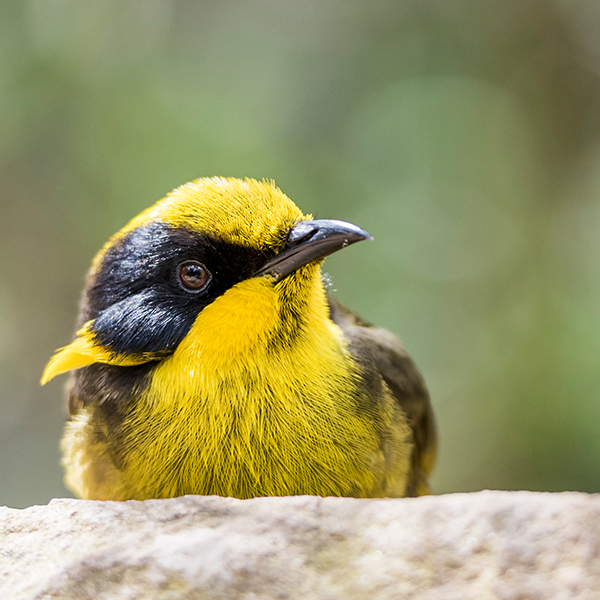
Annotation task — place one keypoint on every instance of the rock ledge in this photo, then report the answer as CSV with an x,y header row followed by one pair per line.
x,y
486,545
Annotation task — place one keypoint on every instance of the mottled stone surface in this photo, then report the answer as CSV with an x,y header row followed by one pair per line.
x,y
496,545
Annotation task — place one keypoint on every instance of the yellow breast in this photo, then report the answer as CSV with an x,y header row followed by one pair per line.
x,y
240,410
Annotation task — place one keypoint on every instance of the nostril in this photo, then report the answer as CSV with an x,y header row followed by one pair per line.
x,y
301,232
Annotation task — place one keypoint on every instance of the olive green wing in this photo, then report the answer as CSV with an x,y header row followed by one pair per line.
x,y
384,351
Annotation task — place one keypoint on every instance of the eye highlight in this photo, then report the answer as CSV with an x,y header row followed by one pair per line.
x,y
193,275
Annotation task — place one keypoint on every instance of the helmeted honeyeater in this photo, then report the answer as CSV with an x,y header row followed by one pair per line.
x,y
209,359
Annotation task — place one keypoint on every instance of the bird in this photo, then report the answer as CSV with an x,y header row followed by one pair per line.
x,y
209,358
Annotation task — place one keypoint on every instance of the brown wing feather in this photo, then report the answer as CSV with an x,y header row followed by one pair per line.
x,y
384,350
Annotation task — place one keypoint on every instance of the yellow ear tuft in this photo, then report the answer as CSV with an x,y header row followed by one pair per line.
x,y
81,352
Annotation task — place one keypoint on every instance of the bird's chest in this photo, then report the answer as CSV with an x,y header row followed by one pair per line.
x,y
251,439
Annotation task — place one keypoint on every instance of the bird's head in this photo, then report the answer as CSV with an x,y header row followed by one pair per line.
x,y
218,268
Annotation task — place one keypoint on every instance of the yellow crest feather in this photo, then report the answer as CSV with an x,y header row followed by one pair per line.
x,y
219,206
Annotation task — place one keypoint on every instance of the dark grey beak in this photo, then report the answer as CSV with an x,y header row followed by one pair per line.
x,y
312,240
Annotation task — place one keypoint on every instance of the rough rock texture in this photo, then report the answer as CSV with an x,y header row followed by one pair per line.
x,y
488,545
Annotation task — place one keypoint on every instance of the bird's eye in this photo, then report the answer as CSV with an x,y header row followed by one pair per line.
x,y
193,275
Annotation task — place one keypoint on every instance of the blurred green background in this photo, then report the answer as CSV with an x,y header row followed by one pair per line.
x,y
464,135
